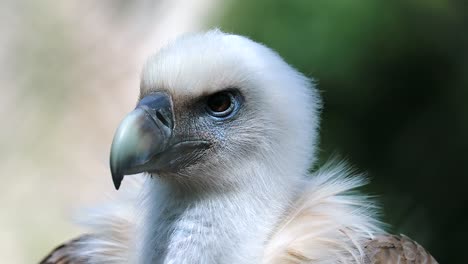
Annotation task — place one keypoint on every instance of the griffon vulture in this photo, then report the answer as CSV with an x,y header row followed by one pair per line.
x,y
222,138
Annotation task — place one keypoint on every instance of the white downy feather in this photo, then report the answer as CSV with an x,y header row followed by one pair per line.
x,y
329,223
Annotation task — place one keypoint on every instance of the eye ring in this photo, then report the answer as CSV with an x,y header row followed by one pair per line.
x,y
220,104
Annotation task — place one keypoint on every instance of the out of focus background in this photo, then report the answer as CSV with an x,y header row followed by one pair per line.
x,y
393,75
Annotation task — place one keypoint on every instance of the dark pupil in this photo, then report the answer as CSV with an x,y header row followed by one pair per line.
x,y
219,102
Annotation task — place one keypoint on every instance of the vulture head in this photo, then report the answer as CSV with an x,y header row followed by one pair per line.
x,y
218,111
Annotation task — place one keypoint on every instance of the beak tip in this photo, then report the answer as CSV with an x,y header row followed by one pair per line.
x,y
117,179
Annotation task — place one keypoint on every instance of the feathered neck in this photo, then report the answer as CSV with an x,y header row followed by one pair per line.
x,y
215,227
325,223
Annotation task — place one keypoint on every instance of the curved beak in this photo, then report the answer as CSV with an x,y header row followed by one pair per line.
x,y
144,133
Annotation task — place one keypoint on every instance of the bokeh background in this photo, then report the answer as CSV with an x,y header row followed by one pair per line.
x,y
393,75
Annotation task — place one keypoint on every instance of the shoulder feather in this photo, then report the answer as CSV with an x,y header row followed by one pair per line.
x,y
389,249
66,252
329,223
112,225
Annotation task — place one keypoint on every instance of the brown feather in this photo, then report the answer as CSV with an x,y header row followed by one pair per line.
x,y
391,249
64,254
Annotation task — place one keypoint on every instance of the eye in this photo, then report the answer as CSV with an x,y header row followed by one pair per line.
x,y
220,104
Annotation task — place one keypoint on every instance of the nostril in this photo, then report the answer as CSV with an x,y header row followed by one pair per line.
x,y
162,118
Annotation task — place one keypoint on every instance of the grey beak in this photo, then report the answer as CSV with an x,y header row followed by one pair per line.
x,y
144,133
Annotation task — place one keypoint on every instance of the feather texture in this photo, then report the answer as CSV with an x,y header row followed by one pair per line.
x,y
390,249
329,223
68,253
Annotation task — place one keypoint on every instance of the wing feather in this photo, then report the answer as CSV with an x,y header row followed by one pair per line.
x,y
390,249
66,252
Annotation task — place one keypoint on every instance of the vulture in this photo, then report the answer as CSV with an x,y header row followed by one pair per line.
x,y
221,141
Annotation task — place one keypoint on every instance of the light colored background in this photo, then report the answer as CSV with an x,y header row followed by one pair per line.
x,y
69,71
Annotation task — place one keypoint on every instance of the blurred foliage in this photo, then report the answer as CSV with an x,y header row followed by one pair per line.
x,y
394,78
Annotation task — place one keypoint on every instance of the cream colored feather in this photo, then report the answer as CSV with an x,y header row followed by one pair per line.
x,y
329,223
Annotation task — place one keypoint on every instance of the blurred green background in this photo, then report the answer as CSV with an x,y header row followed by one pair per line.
x,y
393,75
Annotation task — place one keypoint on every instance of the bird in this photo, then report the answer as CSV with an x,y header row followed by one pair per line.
x,y
215,166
